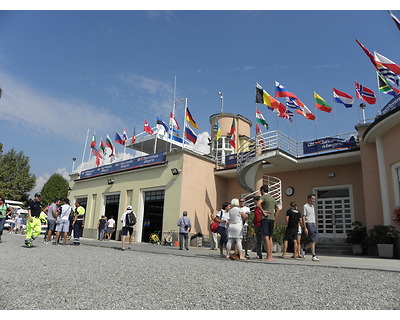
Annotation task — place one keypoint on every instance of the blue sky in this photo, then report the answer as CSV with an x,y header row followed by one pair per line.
x,y
64,72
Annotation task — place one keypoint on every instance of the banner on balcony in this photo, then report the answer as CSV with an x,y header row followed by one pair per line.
x,y
232,159
392,104
326,144
134,163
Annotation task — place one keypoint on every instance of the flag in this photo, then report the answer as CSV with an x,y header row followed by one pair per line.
x,y
125,136
287,115
98,157
387,63
263,97
305,112
396,21
321,104
190,135
110,145
259,134
94,151
218,130
173,122
292,104
147,128
281,92
162,123
389,76
260,119
232,133
118,138
133,135
102,146
344,98
365,94
368,53
384,87
190,119
93,143
174,135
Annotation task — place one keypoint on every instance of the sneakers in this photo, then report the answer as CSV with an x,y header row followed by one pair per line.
x,y
315,258
28,242
303,252
247,256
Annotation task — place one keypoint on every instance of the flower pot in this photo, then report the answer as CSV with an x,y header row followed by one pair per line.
x,y
385,250
357,249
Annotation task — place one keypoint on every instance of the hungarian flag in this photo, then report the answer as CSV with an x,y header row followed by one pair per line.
x,y
93,143
218,130
102,146
190,135
232,133
133,136
260,119
190,119
385,87
118,138
365,94
321,104
110,145
147,128
343,98
387,63
173,122
396,21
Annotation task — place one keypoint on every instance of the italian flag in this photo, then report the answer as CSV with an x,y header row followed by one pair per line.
x,y
321,104
260,119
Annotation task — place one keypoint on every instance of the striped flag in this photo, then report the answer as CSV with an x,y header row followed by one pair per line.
x,y
190,119
102,146
93,143
118,138
287,115
321,104
190,135
343,98
387,63
174,135
390,77
263,97
162,123
384,87
260,119
232,133
173,122
125,136
281,92
110,145
133,135
218,130
396,21
365,94
292,104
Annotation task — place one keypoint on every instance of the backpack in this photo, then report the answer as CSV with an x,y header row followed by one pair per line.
x,y
130,219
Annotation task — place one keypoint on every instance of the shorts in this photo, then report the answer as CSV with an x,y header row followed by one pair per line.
x,y
224,236
51,225
291,234
267,227
110,230
125,230
312,232
63,226
245,232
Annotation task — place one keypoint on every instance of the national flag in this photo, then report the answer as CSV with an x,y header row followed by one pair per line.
x,y
260,119
321,104
263,97
93,143
125,136
174,135
365,94
102,146
259,134
98,157
396,21
232,133
118,138
368,53
94,151
305,112
389,76
287,115
173,122
110,145
218,130
387,63
190,119
133,135
190,135
162,123
292,104
281,92
147,128
384,87
342,97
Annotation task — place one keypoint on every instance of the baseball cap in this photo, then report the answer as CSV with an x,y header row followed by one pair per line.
x,y
129,208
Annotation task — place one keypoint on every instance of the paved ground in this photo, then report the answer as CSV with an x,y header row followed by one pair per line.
x,y
98,275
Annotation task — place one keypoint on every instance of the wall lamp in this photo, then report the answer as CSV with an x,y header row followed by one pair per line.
x,y
110,181
175,171
331,175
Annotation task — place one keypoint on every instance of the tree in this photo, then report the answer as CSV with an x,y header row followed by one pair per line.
x,y
55,188
16,181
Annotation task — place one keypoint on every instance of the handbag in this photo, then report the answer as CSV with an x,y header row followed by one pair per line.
x,y
214,226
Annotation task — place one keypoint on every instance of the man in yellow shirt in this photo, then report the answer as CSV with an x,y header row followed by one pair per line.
x,y
78,223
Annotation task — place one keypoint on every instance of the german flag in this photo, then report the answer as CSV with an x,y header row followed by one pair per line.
x,y
190,119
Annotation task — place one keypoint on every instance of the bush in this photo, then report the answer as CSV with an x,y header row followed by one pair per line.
x,y
382,234
358,235
278,233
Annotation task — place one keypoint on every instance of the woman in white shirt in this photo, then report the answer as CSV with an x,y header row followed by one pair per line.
x,y
235,229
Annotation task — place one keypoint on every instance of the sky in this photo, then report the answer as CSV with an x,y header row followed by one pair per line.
x,y
65,72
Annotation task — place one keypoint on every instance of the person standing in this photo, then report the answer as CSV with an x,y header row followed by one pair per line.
x,y
62,224
127,226
78,223
246,212
110,227
101,226
213,235
33,222
221,218
52,214
310,228
293,218
235,228
185,226
18,223
5,210
270,211
256,226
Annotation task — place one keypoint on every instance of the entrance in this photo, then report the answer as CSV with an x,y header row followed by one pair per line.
x,y
153,213
111,210
334,212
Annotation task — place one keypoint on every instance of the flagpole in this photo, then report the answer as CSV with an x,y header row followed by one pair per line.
x,y
184,124
379,91
90,153
173,114
336,124
316,121
84,149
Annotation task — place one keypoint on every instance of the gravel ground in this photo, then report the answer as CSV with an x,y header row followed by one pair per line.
x,y
48,277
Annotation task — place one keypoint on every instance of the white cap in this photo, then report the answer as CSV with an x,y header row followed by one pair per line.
x,y
129,208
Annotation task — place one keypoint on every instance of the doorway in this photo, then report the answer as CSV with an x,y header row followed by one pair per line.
x,y
111,210
153,213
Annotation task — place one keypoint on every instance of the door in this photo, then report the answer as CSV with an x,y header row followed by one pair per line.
x,y
334,212
111,210
153,213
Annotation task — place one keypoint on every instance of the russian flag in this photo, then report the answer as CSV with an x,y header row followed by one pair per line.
x,y
343,98
190,135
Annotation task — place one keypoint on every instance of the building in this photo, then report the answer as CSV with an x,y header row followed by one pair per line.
x,y
355,177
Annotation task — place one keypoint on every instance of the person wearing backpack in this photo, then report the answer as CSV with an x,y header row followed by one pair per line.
x,y
128,220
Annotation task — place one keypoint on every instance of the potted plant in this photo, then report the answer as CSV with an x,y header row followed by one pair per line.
x,y
277,238
384,237
357,237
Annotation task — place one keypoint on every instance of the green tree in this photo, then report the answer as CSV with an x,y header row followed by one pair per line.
x,y
16,181
55,188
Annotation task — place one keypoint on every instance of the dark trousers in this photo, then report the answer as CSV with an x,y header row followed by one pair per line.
x,y
183,240
77,231
258,241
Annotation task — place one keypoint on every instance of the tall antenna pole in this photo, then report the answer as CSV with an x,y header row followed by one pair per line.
x,y
222,101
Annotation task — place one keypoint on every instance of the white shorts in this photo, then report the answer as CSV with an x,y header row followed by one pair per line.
x,y
63,226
